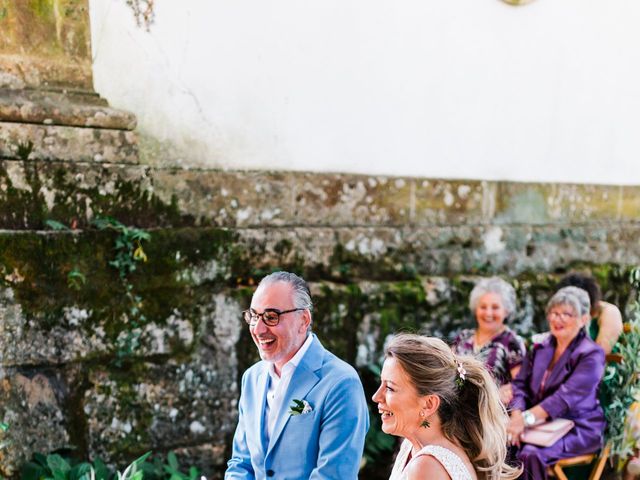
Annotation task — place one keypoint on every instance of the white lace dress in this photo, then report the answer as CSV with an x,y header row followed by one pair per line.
x,y
451,462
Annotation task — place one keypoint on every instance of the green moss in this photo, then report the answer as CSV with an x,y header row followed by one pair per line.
x,y
36,266
42,8
76,202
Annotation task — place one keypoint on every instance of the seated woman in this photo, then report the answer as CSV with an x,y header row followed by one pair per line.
x,y
605,325
447,409
492,301
559,379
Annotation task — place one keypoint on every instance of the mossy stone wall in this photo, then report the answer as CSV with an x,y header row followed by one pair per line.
x,y
381,254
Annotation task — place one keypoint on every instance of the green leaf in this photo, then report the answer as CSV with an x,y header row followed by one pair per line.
x,y
32,471
194,473
59,466
101,470
82,471
55,225
173,461
41,459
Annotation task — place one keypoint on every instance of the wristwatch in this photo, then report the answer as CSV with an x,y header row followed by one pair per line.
x,y
529,418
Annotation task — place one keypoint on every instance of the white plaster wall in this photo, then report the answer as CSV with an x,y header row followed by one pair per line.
x,y
437,88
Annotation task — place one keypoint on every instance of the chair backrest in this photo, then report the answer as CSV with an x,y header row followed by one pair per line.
x,y
613,358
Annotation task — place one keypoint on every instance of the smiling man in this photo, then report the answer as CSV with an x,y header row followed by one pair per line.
x,y
302,410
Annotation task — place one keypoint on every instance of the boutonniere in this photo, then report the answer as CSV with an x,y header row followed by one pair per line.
x,y
299,407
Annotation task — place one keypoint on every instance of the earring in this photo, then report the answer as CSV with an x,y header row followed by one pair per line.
x,y
425,423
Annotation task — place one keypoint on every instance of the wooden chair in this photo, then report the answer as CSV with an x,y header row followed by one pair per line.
x,y
597,460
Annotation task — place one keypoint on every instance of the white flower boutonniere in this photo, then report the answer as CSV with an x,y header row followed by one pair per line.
x,y
299,407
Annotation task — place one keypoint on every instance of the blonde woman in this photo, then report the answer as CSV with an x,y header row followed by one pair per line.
x,y
447,409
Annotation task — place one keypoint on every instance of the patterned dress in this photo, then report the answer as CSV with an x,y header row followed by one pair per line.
x,y
502,353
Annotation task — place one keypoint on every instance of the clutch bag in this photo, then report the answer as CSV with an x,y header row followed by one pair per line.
x,y
547,433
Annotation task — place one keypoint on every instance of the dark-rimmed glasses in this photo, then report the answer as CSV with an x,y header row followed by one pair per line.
x,y
270,316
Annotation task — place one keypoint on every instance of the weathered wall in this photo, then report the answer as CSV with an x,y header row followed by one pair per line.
x,y
99,360
382,254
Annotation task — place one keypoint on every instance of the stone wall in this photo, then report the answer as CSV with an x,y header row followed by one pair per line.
x,y
81,370
107,356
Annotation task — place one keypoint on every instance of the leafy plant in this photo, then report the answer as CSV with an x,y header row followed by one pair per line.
x,y
158,470
55,467
76,279
621,383
128,245
129,252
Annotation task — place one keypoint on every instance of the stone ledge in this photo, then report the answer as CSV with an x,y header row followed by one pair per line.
x,y
241,199
59,108
71,144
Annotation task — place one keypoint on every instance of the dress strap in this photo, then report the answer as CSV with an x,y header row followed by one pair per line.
x,y
451,462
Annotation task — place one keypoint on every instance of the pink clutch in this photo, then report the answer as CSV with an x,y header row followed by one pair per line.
x,y
547,433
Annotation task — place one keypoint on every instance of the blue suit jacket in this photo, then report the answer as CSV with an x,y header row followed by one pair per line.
x,y
326,443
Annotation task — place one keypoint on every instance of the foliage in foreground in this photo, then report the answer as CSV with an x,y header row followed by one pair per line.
x,y
621,383
56,467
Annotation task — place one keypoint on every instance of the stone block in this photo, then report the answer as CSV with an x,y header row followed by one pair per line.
x,y
345,200
448,202
174,404
33,405
71,144
630,203
301,249
230,199
74,193
537,203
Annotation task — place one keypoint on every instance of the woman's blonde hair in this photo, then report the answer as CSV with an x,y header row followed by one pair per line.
x,y
470,412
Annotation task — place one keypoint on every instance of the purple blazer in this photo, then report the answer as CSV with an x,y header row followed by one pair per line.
x,y
570,390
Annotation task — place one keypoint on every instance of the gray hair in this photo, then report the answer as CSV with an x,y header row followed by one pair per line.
x,y
496,285
301,293
575,297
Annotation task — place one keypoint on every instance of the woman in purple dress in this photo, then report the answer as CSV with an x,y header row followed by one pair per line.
x,y
559,379
492,301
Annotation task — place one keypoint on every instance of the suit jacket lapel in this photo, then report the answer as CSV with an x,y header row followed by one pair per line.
x,y
303,380
542,361
562,365
260,407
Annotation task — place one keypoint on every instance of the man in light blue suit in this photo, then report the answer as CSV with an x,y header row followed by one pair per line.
x,y
302,410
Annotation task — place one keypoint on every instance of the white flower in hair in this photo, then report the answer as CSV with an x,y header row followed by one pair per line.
x,y
462,375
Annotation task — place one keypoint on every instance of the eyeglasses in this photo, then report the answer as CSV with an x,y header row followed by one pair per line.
x,y
560,315
270,316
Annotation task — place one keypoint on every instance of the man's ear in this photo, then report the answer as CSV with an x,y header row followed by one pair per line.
x,y
306,320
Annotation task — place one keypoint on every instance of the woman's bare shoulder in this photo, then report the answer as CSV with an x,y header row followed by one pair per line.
x,y
426,466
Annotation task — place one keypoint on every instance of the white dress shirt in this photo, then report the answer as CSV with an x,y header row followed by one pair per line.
x,y
278,385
